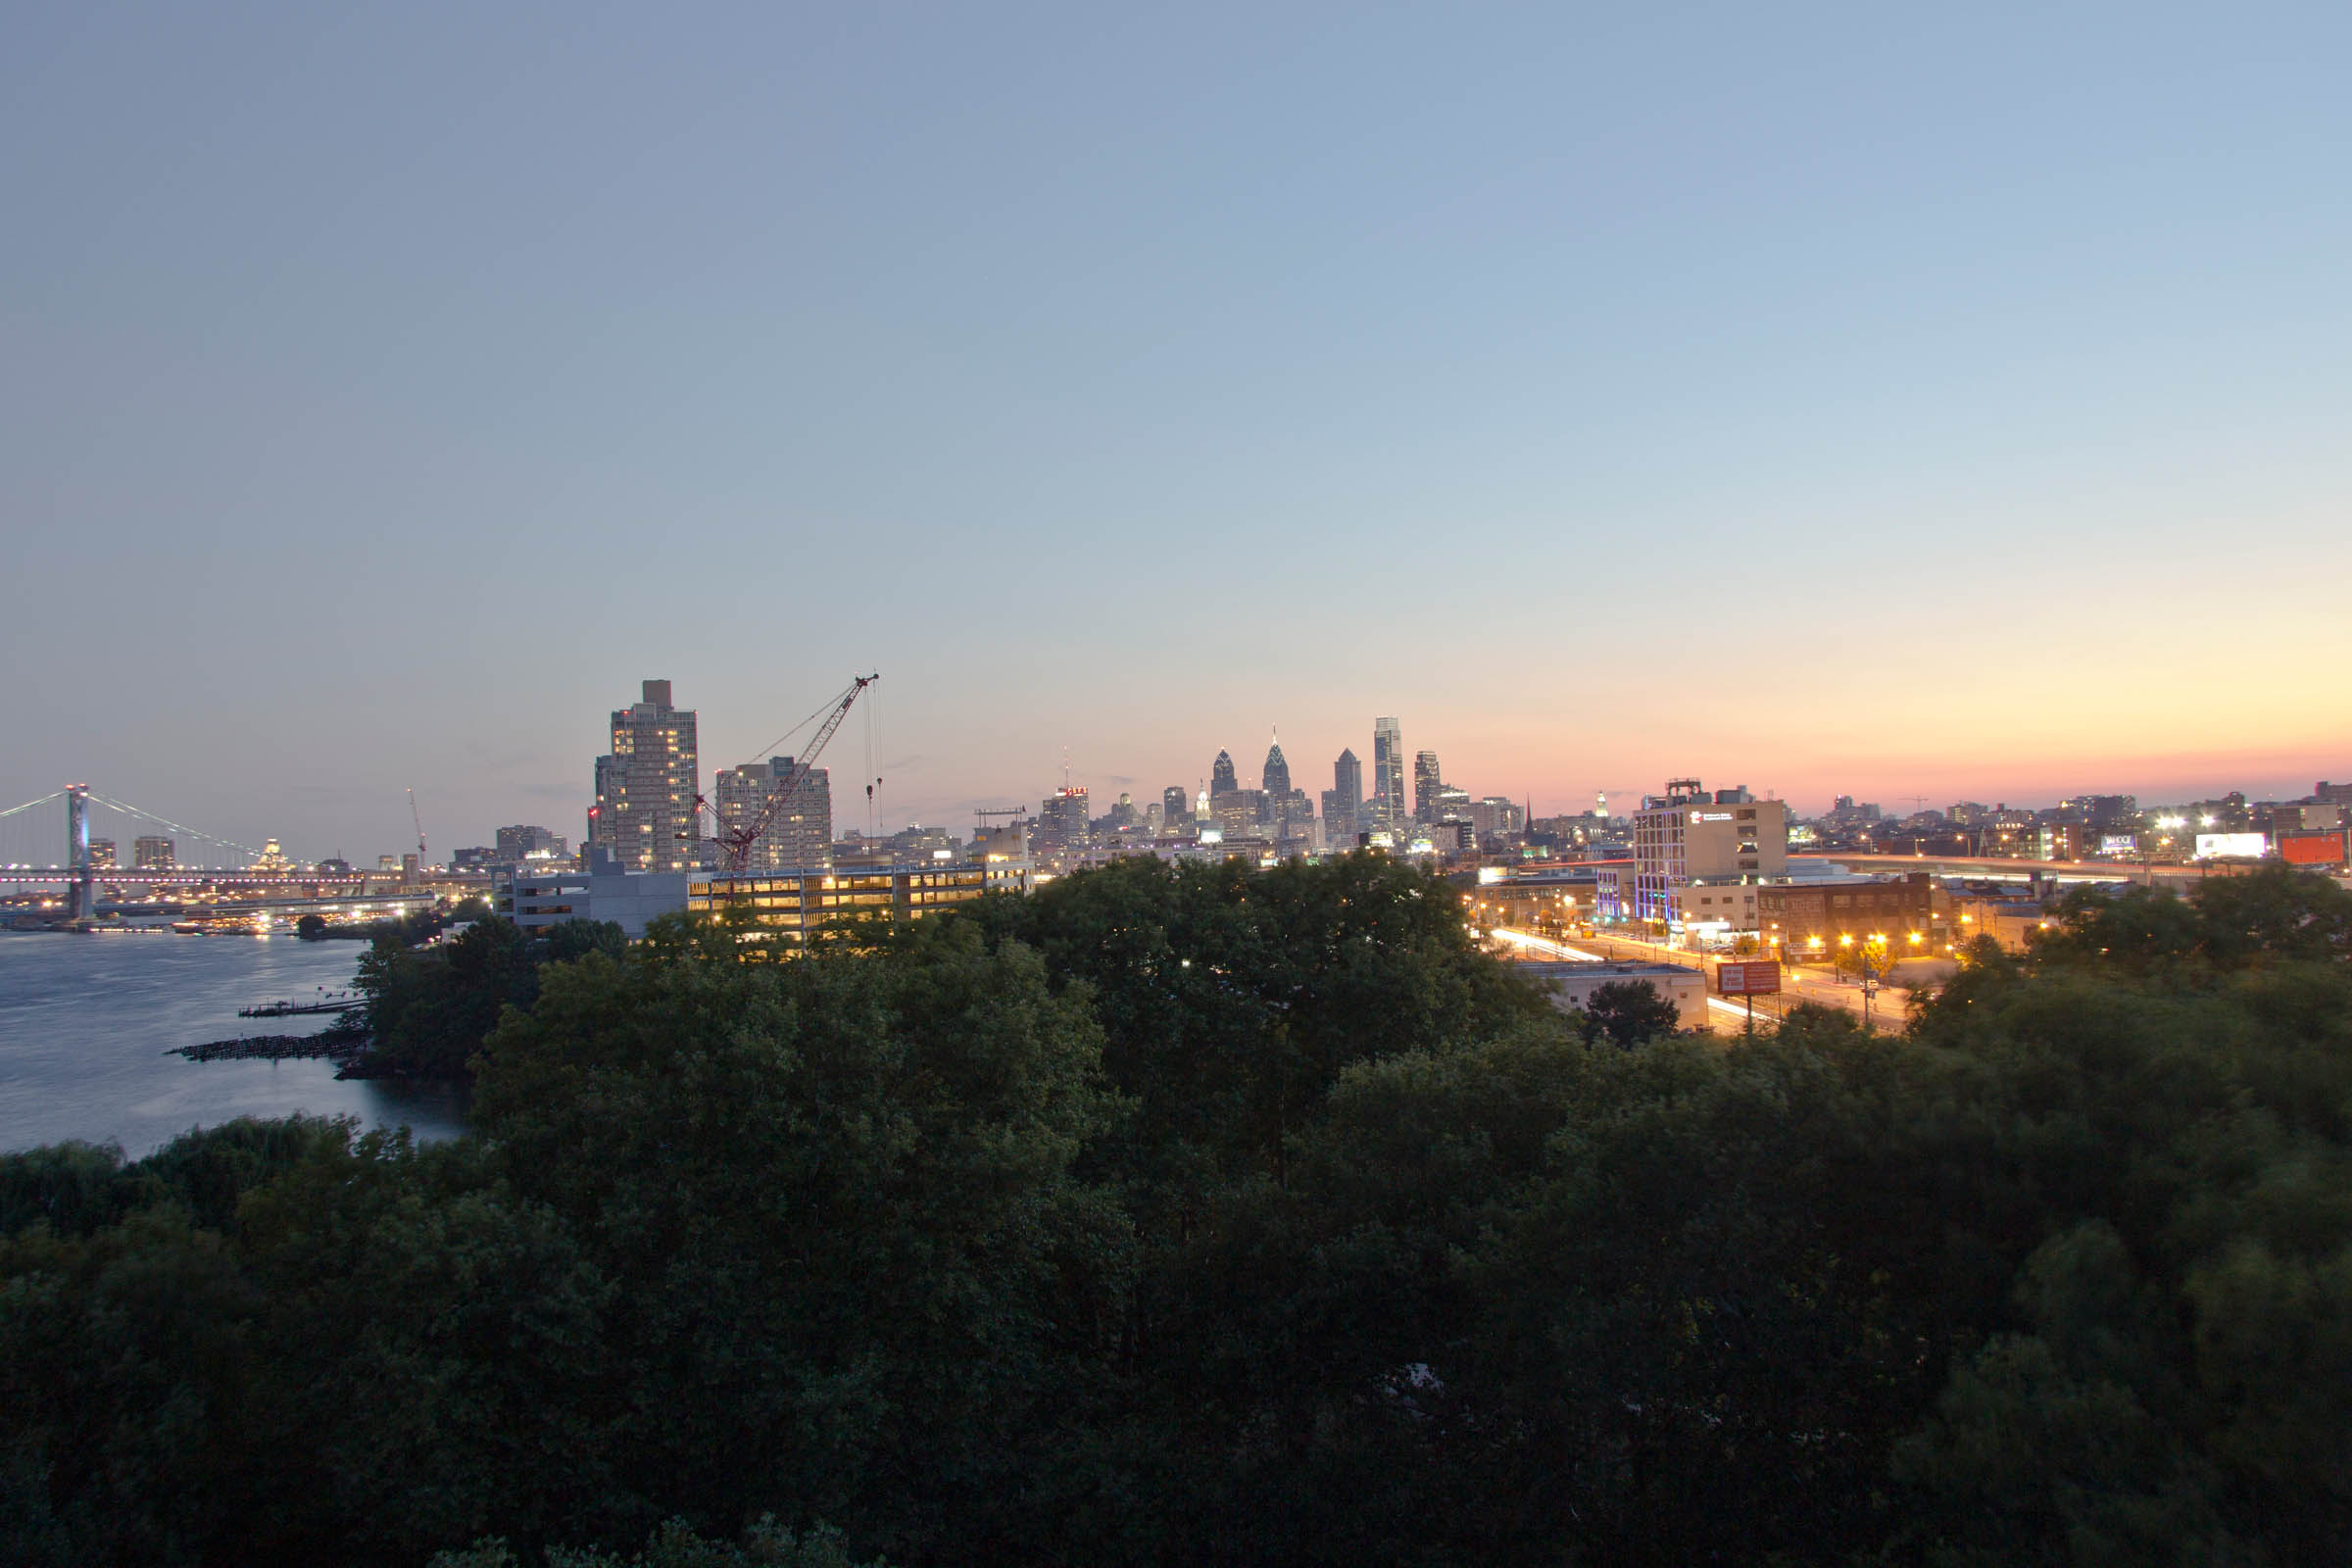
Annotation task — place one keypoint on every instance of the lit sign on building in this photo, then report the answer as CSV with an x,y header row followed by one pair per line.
x,y
2120,844
1710,816
2250,845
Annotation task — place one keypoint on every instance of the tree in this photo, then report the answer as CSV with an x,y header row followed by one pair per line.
x,y
311,927
1627,1013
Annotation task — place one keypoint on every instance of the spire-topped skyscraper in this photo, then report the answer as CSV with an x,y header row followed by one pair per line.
x,y
1278,770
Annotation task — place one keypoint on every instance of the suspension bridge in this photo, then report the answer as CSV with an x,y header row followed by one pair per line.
x,y
49,843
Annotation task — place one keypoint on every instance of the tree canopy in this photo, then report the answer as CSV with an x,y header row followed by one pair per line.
x,y
1213,1215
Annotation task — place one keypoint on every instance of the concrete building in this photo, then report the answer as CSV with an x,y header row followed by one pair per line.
x,y
1240,813
799,837
102,855
1686,838
1497,817
524,842
646,785
1571,985
1002,852
152,853
605,889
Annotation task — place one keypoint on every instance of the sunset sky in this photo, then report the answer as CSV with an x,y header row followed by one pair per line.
x,y
1904,402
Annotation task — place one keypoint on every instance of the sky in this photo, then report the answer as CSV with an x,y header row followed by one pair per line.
x,y
1905,402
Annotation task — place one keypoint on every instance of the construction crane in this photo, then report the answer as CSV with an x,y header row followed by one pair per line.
x,y
734,844
419,822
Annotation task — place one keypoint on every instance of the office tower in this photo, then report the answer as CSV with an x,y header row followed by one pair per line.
x,y
1221,780
1277,780
1343,802
1175,809
1062,823
1427,782
644,786
1387,772
153,854
799,836
102,855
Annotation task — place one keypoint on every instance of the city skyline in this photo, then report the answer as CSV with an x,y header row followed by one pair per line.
x,y
1838,401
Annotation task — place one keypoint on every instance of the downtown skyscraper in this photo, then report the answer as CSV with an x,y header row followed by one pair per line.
x,y
1389,805
1343,802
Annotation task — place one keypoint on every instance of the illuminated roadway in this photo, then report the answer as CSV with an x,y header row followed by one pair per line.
x,y
1799,982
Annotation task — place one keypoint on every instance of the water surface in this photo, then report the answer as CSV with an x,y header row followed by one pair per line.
x,y
85,1022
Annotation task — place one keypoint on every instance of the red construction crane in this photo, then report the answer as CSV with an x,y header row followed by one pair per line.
x,y
735,844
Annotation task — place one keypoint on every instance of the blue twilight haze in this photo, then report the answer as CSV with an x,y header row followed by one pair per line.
x,y
1895,399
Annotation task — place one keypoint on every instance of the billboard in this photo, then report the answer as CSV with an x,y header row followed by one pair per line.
x,y
1756,979
2311,849
2124,843
2250,845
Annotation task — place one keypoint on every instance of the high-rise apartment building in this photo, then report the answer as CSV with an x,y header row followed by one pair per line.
x,y
1427,782
644,786
1175,809
1221,778
102,855
799,836
154,853
1389,805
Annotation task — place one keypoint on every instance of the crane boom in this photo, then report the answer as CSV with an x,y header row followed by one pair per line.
x,y
735,844
419,822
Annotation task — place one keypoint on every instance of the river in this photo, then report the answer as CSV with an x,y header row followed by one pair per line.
x,y
85,1022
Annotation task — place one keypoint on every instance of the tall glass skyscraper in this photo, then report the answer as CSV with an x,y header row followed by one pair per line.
x,y
1277,779
1389,805
1221,780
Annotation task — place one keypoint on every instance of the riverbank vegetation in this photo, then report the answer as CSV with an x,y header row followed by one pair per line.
x,y
1207,1215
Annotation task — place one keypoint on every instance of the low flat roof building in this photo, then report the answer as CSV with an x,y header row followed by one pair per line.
x,y
799,906
548,894
1815,912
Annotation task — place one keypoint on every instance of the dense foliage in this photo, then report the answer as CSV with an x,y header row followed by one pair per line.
x,y
429,1008
1209,1215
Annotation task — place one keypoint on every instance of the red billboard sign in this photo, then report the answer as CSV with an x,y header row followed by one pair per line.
x,y
2314,848
1759,978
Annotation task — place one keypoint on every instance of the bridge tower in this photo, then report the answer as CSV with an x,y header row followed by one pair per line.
x,y
81,899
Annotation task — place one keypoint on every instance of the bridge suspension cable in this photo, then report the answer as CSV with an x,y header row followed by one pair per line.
x,y
176,827
29,805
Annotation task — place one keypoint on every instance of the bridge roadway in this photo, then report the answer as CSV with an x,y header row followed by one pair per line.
x,y
198,877
1993,868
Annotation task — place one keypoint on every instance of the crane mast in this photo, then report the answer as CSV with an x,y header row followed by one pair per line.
x,y
419,822
735,844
